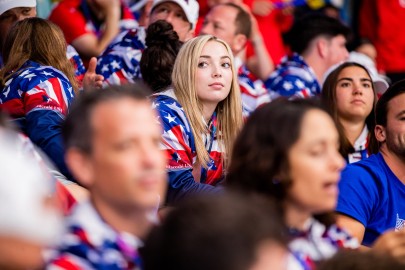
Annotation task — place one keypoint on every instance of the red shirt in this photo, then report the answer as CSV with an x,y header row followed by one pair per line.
x,y
381,23
74,19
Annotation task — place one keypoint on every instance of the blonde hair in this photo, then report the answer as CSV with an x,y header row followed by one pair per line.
x,y
37,40
229,111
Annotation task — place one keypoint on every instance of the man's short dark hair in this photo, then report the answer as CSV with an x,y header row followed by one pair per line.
x,y
307,28
382,105
242,21
77,130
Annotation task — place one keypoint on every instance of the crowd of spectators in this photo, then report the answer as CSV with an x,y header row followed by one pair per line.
x,y
192,134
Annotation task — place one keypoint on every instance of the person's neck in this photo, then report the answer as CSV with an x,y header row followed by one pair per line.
x,y
352,129
295,217
316,65
208,111
394,162
133,221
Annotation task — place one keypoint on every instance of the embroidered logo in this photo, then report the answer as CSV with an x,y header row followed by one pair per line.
x,y
400,224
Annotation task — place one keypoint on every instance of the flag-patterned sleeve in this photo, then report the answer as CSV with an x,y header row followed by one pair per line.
x,y
77,63
120,62
253,92
46,104
288,85
178,143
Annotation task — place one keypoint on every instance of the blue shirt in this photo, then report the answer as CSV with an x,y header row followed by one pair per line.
x,y
373,195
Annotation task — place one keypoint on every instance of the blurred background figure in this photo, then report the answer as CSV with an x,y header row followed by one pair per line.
x,y
29,216
317,42
225,232
288,151
360,260
92,24
112,143
120,62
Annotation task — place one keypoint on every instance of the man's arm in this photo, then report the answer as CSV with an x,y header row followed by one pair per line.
x,y
352,226
89,44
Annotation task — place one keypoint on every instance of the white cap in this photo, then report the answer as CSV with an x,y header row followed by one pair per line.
x,y
190,8
380,83
9,4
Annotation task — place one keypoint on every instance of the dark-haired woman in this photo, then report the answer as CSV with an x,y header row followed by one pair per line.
x,y
350,96
288,151
158,58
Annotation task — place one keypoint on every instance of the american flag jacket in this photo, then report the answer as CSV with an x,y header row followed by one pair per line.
x,y
90,243
179,145
316,243
253,92
119,63
37,98
293,78
77,62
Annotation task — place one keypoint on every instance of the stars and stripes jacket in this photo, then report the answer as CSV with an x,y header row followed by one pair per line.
x,y
37,98
179,145
293,78
119,63
253,92
91,243
73,56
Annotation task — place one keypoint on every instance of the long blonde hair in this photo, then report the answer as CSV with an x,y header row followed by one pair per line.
x,y
229,111
37,40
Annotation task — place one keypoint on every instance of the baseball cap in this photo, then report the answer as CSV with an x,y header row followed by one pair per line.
x,y
9,4
190,8
380,83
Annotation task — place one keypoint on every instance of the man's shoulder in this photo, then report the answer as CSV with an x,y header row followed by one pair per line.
x,y
371,165
370,171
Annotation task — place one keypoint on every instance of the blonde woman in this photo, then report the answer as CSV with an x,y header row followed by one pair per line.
x,y
201,116
38,84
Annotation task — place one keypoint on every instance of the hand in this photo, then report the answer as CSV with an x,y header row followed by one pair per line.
x,y
91,79
255,27
391,243
262,7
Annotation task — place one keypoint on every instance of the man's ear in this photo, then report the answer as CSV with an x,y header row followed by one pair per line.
x,y
239,42
190,34
380,133
322,46
81,166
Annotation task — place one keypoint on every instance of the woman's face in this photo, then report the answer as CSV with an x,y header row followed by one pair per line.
x,y
214,74
354,94
315,165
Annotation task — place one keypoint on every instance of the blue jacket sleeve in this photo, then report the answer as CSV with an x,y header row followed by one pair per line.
x,y
44,128
182,185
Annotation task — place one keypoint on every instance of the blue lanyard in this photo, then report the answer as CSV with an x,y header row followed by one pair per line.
x,y
204,171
